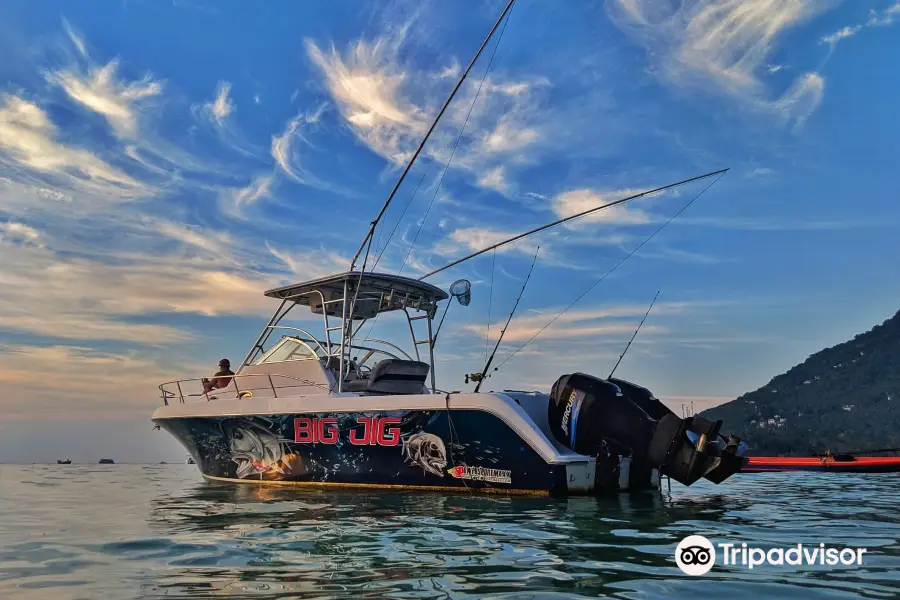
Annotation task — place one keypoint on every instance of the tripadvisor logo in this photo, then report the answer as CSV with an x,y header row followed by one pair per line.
x,y
696,555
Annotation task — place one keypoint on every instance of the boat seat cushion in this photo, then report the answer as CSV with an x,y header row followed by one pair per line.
x,y
394,376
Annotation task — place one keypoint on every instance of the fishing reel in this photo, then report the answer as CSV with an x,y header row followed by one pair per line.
x,y
478,377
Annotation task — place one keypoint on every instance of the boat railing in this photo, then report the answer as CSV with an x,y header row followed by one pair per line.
x,y
240,386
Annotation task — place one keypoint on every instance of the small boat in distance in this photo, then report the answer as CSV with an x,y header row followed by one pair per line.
x,y
190,461
107,461
67,461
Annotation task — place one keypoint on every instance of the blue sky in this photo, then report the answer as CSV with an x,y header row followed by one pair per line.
x,y
162,164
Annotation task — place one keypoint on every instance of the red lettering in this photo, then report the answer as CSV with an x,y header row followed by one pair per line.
x,y
366,437
330,435
383,431
388,436
303,431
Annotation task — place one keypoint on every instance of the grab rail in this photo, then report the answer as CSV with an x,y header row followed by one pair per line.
x,y
166,395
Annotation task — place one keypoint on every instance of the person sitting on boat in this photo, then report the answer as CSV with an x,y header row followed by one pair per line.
x,y
220,379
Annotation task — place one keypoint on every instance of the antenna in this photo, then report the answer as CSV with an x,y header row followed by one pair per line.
x,y
480,377
627,346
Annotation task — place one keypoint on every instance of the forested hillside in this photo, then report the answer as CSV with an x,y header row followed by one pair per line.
x,y
843,398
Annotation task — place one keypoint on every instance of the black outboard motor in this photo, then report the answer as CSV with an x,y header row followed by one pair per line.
x,y
589,415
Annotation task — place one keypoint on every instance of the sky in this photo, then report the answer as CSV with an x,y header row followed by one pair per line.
x,y
162,164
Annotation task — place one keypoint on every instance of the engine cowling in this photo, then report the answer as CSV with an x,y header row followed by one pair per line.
x,y
592,416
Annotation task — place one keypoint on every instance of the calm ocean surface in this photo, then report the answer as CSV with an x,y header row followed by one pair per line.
x,y
131,531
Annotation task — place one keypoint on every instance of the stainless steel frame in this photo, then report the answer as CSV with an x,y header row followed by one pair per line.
x,y
349,300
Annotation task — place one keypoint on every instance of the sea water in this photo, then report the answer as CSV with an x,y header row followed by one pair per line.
x,y
133,531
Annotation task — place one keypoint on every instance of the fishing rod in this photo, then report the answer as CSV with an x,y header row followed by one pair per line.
x,y
481,376
374,224
572,217
641,324
612,270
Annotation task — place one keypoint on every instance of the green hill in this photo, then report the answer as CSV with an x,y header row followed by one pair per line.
x,y
843,398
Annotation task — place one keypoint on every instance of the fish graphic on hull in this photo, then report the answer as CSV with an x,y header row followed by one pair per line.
x,y
427,451
260,454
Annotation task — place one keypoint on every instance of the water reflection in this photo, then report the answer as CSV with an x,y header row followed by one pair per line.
x,y
159,531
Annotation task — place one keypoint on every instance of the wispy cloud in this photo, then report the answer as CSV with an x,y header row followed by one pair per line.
x,y
586,322
885,17
576,201
222,106
236,200
286,149
841,34
105,271
725,44
101,91
29,144
388,104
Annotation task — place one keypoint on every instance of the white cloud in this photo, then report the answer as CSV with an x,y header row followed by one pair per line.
x,y
477,238
284,149
588,322
28,142
841,34
495,179
235,201
101,91
761,172
310,264
723,43
802,98
388,105
215,243
576,201
885,18
507,136
221,107
367,84
19,233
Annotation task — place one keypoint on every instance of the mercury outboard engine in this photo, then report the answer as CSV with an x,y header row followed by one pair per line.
x,y
592,415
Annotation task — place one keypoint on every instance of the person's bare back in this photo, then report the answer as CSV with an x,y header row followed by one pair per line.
x,y
221,379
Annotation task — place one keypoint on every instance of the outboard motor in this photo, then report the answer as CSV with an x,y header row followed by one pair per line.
x,y
590,415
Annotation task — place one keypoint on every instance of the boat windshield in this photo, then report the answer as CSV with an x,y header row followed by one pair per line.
x,y
288,348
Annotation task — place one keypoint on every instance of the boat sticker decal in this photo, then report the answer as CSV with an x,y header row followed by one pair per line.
x,y
427,451
481,474
573,407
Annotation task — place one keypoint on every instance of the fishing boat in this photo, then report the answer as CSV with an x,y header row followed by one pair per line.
x,y
67,461
837,463
106,461
190,461
342,409
351,411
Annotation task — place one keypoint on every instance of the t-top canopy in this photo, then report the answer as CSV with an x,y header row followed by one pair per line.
x,y
379,292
